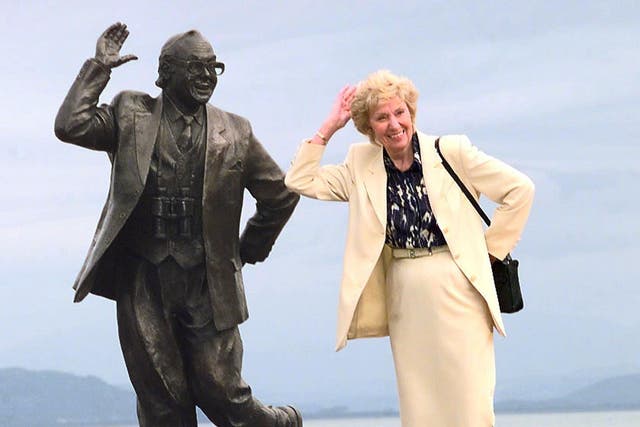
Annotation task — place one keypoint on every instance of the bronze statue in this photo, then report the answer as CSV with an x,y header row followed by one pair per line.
x,y
166,248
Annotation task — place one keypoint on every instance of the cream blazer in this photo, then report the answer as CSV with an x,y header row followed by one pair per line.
x,y
361,180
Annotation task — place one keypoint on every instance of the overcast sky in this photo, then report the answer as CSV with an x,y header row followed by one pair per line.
x,y
552,88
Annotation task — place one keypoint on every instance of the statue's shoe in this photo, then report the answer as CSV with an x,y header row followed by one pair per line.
x,y
293,415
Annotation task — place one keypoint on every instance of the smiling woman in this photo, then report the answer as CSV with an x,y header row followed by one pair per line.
x,y
417,260
385,110
392,127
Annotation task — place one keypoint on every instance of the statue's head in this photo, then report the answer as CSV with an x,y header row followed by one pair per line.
x,y
188,70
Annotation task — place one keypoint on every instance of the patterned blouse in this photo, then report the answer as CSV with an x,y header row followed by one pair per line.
x,y
410,221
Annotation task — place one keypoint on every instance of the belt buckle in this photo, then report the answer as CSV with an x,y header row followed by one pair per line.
x,y
412,253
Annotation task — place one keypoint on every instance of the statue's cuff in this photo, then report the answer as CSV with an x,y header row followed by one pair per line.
x,y
101,65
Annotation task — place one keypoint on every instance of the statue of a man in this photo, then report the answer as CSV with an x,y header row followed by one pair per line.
x,y
167,246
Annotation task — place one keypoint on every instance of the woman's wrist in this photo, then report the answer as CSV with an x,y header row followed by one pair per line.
x,y
318,138
323,134
322,137
327,129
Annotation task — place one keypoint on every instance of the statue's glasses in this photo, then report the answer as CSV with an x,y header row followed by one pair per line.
x,y
196,67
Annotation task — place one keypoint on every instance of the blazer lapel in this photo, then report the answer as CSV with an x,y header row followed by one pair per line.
x,y
375,182
435,175
146,132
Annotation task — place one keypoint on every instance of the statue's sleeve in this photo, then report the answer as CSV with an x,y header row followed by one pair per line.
x,y
274,203
80,120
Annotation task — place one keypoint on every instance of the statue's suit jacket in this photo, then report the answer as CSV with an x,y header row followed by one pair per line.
x,y
362,181
234,160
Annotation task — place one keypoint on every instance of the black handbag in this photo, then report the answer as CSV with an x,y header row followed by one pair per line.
x,y
505,272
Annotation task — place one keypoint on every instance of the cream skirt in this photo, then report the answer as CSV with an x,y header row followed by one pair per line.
x,y
442,341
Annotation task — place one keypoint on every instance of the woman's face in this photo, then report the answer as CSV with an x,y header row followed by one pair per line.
x,y
391,124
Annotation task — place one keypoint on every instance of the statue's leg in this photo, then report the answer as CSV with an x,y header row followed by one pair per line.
x,y
150,349
213,360
214,365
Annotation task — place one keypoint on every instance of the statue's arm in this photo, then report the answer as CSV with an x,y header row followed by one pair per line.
x,y
274,204
80,121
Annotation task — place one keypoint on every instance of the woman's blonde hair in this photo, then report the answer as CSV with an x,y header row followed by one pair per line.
x,y
378,87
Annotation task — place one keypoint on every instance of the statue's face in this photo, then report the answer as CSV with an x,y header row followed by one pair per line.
x,y
194,77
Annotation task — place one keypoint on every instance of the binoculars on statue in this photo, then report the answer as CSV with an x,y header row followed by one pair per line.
x,y
167,211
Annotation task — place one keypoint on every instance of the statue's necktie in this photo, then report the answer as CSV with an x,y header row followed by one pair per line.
x,y
184,139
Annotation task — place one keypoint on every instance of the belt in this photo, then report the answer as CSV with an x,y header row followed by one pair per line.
x,y
418,252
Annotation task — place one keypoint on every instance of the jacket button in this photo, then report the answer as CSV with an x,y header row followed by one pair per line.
x,y
456,256
473,278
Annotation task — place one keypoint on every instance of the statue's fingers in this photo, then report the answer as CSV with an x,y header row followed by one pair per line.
x,y
124,36
117,35
120,38
113,31
124,32
124,59
111,28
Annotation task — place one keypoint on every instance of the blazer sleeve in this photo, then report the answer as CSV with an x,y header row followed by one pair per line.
x,y
509,188
328,182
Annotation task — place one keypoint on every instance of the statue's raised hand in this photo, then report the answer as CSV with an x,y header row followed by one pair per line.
x,y
109,44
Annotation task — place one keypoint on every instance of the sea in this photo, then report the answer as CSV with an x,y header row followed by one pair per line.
x,y
574,419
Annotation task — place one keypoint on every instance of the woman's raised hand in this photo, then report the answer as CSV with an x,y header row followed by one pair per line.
x,y
339,115
340,112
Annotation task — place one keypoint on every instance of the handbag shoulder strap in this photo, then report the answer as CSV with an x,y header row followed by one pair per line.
x,y
466,192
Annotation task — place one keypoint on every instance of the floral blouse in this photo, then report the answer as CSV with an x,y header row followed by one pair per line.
x,y
410,221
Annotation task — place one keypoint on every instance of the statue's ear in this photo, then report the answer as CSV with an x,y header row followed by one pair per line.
x,y
164,71
165,67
